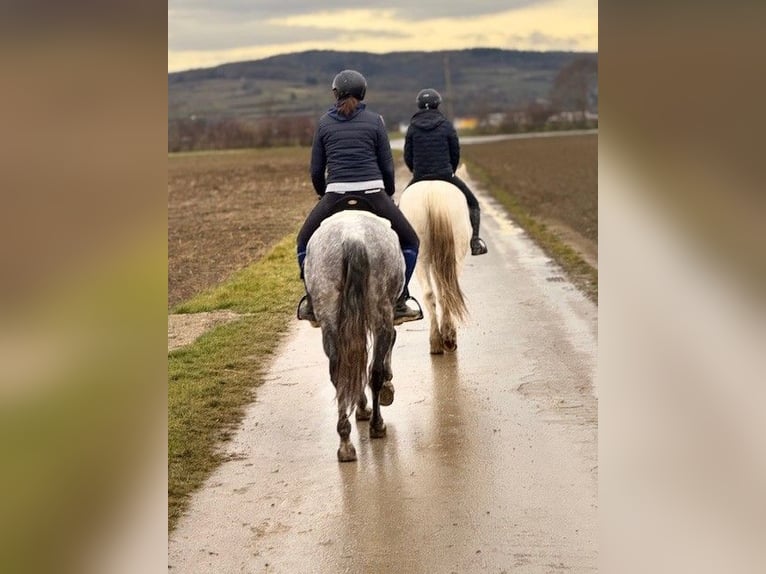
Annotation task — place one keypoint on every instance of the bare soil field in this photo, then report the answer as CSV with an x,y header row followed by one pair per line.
x,y
555,179
226,209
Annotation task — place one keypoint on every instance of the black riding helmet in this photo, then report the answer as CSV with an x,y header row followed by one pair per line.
x,y
349,83
428,99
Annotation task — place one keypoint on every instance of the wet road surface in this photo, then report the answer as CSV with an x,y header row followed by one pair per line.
x,y
490,463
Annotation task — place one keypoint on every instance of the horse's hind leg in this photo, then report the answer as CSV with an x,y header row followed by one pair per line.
x,y
384,341
449,332
346,450
363,412
387,390
435,337
387,363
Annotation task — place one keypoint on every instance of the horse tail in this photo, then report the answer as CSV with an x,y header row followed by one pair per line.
x,y
444,260
352,325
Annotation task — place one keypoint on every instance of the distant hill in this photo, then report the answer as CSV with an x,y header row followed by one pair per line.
x,y
482,81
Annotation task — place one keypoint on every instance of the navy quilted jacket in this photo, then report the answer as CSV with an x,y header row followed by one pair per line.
x,y
431,146
351,149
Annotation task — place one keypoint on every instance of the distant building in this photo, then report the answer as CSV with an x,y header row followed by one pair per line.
x,y
573,116
496,119
465,123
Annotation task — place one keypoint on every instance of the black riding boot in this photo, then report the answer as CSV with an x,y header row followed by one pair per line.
x,y
478,247
306,311
407,308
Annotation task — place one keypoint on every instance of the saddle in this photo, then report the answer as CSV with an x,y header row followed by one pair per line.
x,y
355,202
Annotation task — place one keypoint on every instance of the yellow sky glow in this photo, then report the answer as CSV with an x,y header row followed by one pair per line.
x,y
569,25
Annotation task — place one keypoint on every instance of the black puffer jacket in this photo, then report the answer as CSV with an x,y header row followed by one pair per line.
x,y
351,149
431,146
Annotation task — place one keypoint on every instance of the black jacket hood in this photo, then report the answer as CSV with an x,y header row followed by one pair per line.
x,y
427,119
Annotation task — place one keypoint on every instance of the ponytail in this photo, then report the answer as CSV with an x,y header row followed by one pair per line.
x,y
347,106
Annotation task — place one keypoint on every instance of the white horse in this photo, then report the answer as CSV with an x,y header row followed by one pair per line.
x,y
439,213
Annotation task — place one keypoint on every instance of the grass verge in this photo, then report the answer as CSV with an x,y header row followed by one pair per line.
x,y
583,275
212,380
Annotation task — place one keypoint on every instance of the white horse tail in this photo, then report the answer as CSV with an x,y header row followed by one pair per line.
x,y
352,325
444,268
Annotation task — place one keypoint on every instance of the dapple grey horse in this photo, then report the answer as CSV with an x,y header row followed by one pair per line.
x,y
354,272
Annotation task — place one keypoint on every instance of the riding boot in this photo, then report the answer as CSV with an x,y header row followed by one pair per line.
x,y
305,306
478,247
407,308
306,310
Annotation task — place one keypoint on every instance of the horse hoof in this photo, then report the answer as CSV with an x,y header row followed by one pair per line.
x,y
347,453
363,414
437,350
450,346
379,431
386,395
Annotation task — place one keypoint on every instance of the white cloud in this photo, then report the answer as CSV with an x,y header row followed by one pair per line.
x,y
204,33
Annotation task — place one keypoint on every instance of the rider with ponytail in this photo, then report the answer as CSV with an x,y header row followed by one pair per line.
x,y
352,168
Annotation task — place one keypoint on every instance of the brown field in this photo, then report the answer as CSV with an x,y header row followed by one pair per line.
x,y
550,187
556,179
226,209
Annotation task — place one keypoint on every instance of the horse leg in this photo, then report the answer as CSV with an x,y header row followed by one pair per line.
x,y
449,332
330,346
435,337
387,363
384,341
386,396
363,412
346,450
387,390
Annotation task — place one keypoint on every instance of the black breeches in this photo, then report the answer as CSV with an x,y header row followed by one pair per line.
x,y
378,203
470,198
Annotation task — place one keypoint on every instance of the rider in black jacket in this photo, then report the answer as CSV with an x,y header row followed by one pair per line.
x,y
432,151
351,147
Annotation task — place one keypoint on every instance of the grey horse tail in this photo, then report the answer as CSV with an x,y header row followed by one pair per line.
x,y
352,324
444,263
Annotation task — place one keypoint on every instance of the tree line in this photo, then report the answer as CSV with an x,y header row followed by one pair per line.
x,y
574,92
193,133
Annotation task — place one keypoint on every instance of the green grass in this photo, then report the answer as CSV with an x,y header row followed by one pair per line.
x,y
255,289
583,275
212,380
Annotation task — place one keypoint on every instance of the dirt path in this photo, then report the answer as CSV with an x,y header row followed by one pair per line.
x,y
490,463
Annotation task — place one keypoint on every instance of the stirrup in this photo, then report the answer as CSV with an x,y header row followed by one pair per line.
x,y
306,311
404,311
478,247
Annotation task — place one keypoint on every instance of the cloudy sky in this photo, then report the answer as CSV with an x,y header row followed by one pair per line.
x,y
204,33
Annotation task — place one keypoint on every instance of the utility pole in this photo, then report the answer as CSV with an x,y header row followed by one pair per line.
x,y
448,88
